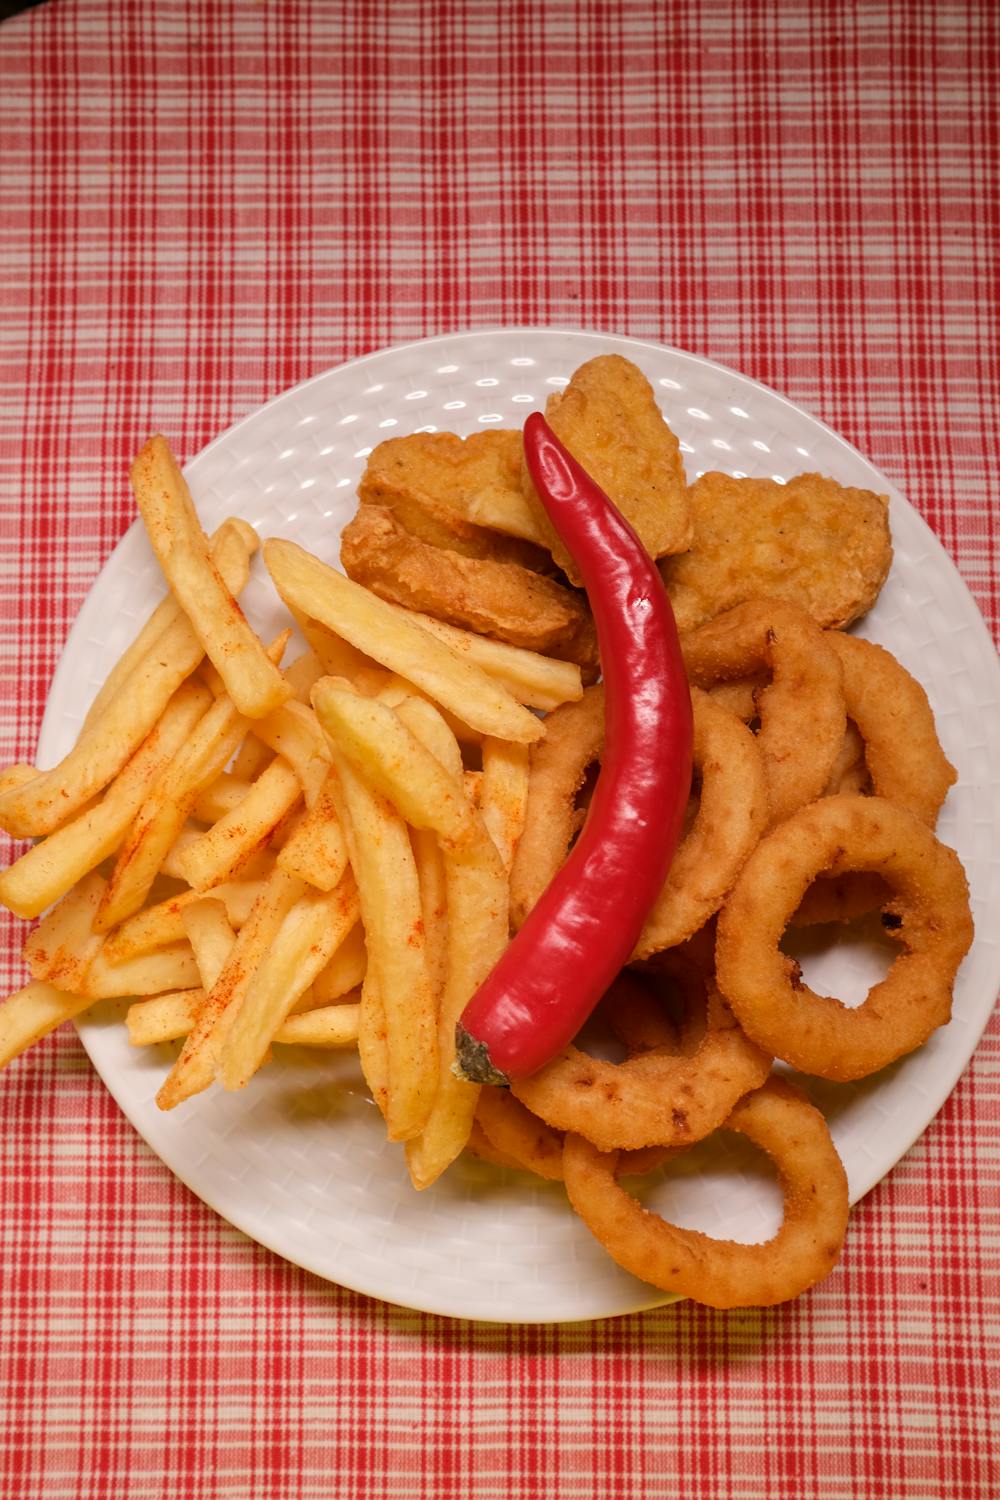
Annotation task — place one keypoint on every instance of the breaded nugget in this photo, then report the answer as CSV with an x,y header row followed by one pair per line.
x,y
498,599
811,541
460,493
609,420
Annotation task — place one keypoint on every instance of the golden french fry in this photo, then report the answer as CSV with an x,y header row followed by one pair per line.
x,y
383,864
393,637
316,851
221,852
165,810
379,744
434,905
302,673
478,901
294,733
335,655
427,724
540,681
160,819
346,968
195,1067
504,794
252,758
32,1013
164,1018
397,690
158,926
373,1046
206,924
46,872
232,547
52,798
172,968
226,793
473,783
171,860
329,1026
253,682
63,946
15,776
304,944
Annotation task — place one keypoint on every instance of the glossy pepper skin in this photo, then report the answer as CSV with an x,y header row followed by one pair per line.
x,y
581,932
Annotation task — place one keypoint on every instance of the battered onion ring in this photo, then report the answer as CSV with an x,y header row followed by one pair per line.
x,y
902,760
723,1273
802,714
928,915
519,1138
731,815
657,1098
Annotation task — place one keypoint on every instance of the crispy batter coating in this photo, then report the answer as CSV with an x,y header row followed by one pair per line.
x,y
460,493
609,420
812,541
499,599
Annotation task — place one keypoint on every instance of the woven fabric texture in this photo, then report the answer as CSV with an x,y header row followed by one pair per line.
x,y
204,203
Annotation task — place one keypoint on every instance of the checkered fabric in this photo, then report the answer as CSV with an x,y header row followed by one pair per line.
x,y
203,203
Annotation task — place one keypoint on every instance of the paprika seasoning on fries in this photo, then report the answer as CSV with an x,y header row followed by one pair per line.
x,y
583,929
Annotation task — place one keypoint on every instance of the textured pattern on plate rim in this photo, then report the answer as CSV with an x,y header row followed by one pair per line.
x,y
291,469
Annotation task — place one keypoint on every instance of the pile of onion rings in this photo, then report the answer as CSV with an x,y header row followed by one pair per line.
x,y
818,780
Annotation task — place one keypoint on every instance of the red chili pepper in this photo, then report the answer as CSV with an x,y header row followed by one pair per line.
x,y
581,932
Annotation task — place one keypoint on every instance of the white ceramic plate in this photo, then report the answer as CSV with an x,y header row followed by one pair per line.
x,y
298,1161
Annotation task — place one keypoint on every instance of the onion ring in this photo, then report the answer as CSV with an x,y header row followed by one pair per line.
x,y
902,760
656,1098
722,1273
928,915
730,816
802,714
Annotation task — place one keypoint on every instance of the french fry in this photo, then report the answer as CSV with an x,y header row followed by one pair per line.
x,y
478,899
220,852
161,817
160,925
306,941
394,638
164,1018
253,682
195,1067
504,794
226,793
336,656
206,924
45,873
15,776
345,971
172,968
383,864
252,758
427,724
52,798
233,544
539,681
63,946
330,1026
294,733
373,1044
316,851
171,860
379,744
302,673
434,905
32,1013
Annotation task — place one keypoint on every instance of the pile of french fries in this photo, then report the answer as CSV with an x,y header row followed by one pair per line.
x,y
257,854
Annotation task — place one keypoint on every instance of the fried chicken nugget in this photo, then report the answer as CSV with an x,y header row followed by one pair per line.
x,y
609,420
460,493
499,599
811,541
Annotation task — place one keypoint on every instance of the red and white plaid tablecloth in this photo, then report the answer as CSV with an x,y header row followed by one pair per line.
x,y
203,203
